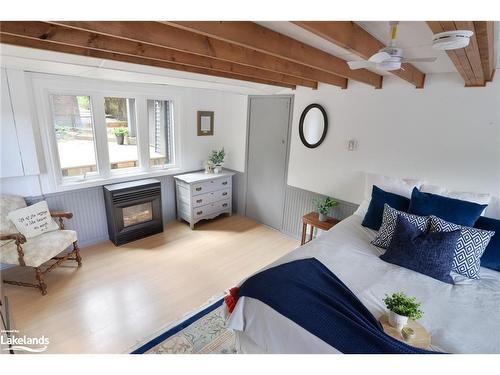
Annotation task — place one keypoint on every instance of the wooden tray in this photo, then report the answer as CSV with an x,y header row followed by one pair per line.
x,y
422,338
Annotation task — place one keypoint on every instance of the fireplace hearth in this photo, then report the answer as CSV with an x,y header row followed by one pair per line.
x,y
133,210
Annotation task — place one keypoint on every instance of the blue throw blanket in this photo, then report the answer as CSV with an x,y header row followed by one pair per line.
x,y
308,293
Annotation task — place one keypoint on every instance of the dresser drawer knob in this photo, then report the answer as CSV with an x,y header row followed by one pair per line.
x,y
224,183
198,189
199,212
199,200
225,193
224,205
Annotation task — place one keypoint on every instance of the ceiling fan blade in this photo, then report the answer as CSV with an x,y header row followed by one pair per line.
x,y
420,59
360,64
379,57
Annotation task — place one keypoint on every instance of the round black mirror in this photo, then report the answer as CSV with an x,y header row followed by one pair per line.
x,y
313,125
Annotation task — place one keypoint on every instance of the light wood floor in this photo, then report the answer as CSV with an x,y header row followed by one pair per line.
x,y
123,294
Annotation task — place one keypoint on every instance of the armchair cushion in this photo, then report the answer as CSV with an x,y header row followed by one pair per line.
x,y
37,250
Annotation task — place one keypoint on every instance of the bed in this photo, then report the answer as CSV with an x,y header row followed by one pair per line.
x,y
462,318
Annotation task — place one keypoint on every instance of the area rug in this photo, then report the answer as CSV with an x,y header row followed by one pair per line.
x,y
202,333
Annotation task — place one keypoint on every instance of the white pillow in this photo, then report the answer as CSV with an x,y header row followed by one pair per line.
x,y
464,196
394,185
493,209
31,221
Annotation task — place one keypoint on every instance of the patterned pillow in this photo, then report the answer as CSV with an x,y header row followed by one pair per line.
x,y
388,226
470,246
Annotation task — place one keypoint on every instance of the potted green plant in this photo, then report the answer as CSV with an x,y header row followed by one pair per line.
x,y
401,308
217,158
120,134
323,207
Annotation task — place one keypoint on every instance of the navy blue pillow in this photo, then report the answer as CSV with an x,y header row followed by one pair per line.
x,y
453,210
373,217
491,256
428,253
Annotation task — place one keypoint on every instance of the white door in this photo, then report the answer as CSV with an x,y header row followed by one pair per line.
x,y
267,153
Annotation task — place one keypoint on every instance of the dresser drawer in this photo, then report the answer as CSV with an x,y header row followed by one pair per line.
x,y
210,185
214,196
211,208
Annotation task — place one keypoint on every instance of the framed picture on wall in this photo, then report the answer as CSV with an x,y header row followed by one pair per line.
x,y
205,123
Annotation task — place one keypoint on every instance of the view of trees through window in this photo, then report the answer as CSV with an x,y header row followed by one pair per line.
x,y
122,132
74,127
74,130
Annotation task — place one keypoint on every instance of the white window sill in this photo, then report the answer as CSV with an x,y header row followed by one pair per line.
x,y
122,177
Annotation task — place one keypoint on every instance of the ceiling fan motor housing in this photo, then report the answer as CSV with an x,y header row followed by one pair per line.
x,y
394,62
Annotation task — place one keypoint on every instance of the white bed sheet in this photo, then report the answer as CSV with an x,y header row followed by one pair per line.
x,y
462,318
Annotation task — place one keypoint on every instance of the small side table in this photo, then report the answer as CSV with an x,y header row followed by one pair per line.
x,y
312,219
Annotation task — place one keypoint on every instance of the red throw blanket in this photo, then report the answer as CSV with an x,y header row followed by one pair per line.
x,y
231,299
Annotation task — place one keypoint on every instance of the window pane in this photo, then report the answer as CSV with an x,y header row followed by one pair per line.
x,y
122,132
160,132
72,117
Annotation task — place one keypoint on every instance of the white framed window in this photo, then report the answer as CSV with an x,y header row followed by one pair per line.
x,y
160,133
73,127
103,132
121,133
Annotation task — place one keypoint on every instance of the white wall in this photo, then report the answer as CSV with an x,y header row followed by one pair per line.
x,y
230,116
448,134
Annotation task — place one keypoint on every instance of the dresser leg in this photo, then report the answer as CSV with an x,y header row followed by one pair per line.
x,y
191,225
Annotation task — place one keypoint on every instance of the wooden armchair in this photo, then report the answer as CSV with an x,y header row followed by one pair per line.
x,y
34,252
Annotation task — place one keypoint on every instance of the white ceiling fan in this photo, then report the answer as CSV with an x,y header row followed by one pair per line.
x,y
388,58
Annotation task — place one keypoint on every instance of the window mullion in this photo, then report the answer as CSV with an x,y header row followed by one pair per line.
x,y
101,136
142,133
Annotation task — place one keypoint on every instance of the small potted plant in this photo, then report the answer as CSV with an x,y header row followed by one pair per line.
x,y
120,134
323,206
401,308
217,158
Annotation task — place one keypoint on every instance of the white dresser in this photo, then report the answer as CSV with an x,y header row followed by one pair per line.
x,y
203,196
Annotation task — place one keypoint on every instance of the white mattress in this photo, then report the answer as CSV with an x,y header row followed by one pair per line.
x,y
461,318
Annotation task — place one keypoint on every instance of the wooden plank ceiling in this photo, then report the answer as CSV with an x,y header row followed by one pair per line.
x,y
475,63
242,50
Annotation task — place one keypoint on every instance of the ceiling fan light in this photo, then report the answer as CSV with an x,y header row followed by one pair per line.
x,y
450,40
389,65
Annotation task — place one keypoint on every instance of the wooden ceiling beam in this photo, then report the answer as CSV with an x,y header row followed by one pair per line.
x,y
251,35
165,36
485,39
464,70
78,38
56,47
355,39
475,65
472,52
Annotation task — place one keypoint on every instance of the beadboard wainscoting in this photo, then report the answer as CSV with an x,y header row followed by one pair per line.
x,y
87,206
89,219
299,202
